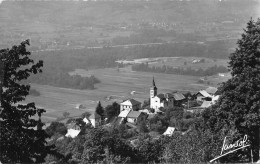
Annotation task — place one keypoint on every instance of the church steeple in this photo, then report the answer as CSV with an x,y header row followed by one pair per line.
x,y
154,86
153,90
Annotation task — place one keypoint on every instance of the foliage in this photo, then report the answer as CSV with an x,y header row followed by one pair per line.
x,y
180,71
146,104
143,127
196,146
237,111
149,149
20,142
61,78
97,145
66,114
100,110
85,115
158,123
112,110
56,127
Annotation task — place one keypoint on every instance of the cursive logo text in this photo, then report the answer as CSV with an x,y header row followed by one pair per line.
x,y
239,144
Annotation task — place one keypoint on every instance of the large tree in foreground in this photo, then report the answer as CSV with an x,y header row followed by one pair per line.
x,y
19,141
237,112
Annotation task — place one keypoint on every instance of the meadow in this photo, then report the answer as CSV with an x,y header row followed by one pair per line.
x,y
116,85
183,62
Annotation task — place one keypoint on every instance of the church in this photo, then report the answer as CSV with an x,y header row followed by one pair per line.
x,y
160,100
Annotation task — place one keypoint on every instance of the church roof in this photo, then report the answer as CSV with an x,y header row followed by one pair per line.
x,y
161,96
165,96
154,86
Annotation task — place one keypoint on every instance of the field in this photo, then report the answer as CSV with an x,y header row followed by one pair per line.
x,y
115,85
183,62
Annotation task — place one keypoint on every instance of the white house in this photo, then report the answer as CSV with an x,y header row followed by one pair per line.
x,y
73,130
72,133
130,104
160,100
95,119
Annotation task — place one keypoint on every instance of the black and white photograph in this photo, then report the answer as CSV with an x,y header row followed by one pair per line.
x,y
129,81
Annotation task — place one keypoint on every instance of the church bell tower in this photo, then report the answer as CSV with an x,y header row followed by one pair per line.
x,y
153,90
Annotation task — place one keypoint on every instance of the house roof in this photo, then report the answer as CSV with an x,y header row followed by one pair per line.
x,y
124,113
169,131
134,114
211,90
86,120
72,133
206,104
150,116
178,96
94,116
130,102
204,93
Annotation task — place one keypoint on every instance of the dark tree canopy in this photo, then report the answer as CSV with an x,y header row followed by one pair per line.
x,y
100,110
112,110
237,111
19,140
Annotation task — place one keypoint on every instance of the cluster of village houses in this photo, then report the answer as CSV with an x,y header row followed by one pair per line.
x,y
131,112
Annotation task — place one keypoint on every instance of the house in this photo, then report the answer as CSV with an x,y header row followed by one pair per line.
x,y
178,99
215,99
160,100
202,95
130,104
95,120
211,90
73,130
86,120
134,117
124,113
72,133
73,125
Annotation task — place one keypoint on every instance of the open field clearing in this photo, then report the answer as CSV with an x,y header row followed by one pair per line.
x,y
116,85
184,62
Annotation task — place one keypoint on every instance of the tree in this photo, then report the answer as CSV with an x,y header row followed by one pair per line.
x,y
112,110
66,114
19,141
100,110
85,115
56,127
237,111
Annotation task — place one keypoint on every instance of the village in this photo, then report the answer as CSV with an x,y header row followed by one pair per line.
x,y
138,117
